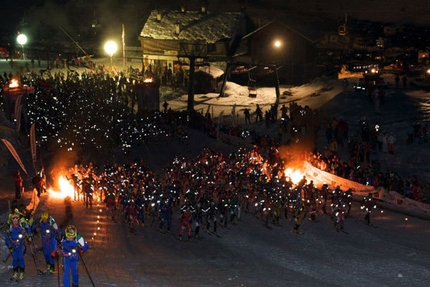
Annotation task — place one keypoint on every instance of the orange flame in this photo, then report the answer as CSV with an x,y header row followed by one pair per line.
x,y
295,174
13,83
66,189
148,80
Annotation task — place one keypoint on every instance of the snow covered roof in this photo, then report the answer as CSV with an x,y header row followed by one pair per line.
x,y
209,27
215,72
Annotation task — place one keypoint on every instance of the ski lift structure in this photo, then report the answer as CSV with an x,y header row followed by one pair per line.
x,y
252,84
95,23
342,28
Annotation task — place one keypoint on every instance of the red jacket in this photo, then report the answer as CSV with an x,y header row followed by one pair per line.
x,y
17,180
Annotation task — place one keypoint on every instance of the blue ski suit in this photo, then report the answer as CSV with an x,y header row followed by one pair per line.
x,y
49,230
70,249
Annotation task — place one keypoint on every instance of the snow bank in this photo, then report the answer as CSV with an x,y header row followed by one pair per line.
x,y
391,200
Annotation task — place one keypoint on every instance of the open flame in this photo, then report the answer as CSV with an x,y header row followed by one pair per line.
x,y
148,80
295,174
66,189
13,83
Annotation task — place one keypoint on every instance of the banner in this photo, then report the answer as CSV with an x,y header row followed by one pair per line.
x,y
33,145
14,154
34,201
393,199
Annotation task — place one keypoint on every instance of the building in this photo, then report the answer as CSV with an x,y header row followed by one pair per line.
x,y
276,46
173,40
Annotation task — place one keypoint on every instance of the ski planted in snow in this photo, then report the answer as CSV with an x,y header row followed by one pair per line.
x,y
297,232
214,233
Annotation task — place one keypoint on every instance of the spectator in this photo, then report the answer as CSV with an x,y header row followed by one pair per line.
x,y
247,116
391,140
17,179
258,114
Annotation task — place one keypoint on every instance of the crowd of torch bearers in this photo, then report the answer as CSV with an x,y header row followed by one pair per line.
x,y
220,186
213,188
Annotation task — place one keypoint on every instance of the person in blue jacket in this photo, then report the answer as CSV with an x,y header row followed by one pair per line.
x,y
50,234
72,244
15,241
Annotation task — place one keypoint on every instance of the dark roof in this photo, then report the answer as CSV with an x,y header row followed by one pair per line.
x,y
282,24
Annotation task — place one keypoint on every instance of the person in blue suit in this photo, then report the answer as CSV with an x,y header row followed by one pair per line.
x,y
72,243
50,234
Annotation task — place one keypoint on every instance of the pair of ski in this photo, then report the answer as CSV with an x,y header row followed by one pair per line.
x,y
36,261
213,233
271,227
176,237
341,230
17,279
369,224
187,240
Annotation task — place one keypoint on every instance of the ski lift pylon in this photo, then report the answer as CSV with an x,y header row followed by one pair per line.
x,y
252,86
342,28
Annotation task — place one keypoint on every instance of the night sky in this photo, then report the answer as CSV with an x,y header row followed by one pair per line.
x,y
41,19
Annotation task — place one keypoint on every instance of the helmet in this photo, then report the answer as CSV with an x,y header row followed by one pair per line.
x,y
71,232
44,215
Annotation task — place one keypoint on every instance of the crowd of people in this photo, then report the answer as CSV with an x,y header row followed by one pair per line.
x,y
207,191
71,124
23,229
362,157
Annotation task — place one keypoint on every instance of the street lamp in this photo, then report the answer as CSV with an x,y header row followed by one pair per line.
x,y
110,48
22,40
277,44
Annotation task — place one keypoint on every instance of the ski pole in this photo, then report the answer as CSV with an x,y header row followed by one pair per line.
x,y
86,269
57,258
38,270
290,224
7,257
359,213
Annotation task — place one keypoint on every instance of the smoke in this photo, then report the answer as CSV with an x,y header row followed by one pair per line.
x,y
75,17
296,152
60,163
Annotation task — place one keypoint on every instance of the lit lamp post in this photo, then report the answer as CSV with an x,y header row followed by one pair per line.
x,y
110,48
22,40
277,44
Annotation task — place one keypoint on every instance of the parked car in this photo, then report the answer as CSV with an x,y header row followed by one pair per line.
x,y
370,79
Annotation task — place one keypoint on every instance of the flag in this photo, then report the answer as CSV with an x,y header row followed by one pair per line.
x,y
233,114
123,48
123,36
17,105
17,112
220,118
14,154
33,144
18,118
